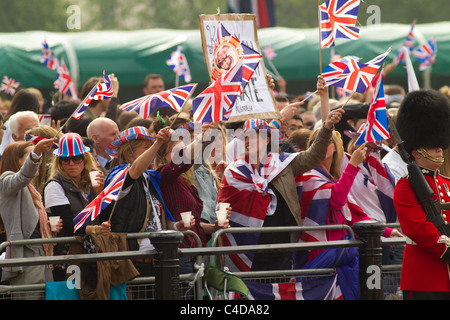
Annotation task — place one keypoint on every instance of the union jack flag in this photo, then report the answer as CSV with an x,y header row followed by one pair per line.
x,y
376,127
269,53
408,43
175,98
179,64
337,20
247,190
48,59
99,92
36,139
426,54
9,85
103,200
45,119
63,82
316,288
336,68
215,102
358,76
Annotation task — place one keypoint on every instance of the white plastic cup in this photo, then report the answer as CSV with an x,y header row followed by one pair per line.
x,y
53,222
223,206
93,174
186,216
221,217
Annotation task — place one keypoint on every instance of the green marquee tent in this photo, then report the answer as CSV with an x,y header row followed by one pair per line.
x,y
131,55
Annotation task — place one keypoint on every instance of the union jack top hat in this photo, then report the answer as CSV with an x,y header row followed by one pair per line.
x,y
258,124
134,133
71,145
254,123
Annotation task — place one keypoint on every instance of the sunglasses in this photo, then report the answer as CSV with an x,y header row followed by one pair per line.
x,y
76,160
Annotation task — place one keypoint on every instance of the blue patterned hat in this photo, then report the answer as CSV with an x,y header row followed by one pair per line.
x,y
134,133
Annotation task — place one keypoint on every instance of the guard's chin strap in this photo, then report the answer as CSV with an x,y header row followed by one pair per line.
x,y
424,153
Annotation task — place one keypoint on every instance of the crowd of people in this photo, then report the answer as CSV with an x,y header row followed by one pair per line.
x,y
314,151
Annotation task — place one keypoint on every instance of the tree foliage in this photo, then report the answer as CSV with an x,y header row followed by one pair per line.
x,y
52,15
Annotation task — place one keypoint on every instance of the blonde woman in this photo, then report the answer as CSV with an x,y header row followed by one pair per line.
x,y
69,190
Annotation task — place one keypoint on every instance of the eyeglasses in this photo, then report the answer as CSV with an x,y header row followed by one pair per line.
x,y
76,160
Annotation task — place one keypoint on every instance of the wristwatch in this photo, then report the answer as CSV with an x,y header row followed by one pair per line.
x,y
34,156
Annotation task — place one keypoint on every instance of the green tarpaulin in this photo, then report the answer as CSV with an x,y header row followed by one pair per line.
x,y
131,55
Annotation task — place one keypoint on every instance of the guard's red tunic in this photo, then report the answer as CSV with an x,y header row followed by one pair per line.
x,y
423,267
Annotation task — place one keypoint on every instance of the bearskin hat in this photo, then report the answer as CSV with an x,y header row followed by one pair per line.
x,y
423,120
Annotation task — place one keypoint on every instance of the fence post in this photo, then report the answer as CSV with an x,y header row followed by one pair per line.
x,y
370,259
167,264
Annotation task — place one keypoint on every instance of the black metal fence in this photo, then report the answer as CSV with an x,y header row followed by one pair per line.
x,y
168,284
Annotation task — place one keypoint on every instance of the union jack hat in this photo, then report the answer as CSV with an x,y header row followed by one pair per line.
x,y
253,123
134,133
71,145
258,124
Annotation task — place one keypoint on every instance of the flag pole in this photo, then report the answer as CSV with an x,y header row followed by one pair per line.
x,y
112,211
79,106
320,37
274,68
349,98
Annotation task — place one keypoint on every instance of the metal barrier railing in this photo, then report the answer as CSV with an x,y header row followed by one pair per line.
x,y
167,247
92,257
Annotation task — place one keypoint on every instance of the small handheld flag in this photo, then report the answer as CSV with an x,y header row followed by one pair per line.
x,y
376,128
337,20
178,62
9,85
426,54
63,82
407,43
100,91
175,98
103,200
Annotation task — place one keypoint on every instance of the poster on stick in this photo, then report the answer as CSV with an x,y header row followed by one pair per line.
x,y
257,100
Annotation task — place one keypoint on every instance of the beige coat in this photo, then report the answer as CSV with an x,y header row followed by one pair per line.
x,y
305,161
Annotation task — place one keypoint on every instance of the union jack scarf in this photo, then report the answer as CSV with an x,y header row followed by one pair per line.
x,y
247,190
314,189
376,179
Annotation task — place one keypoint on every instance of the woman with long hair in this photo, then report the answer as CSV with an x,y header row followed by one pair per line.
x,y
34,135
21,211
69,190
175,164
142,208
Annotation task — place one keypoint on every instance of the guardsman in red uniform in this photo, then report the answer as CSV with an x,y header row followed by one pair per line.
x,y
423,122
